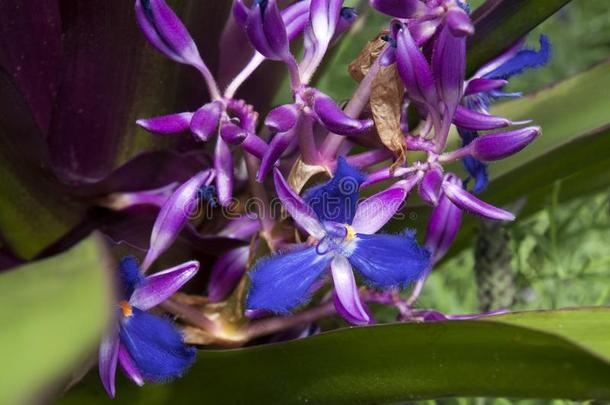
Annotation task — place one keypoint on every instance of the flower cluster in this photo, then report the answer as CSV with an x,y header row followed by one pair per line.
x,y
334,231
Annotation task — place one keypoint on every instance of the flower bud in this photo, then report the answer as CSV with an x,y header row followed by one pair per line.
x,y
459,22
282,118
167,124
430,186
205,121
467,202
466,118
444,223
266,30
335,120
400,8
500,145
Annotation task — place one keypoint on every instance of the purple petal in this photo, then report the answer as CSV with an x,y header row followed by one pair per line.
x,y
473,205
266,30
348,17
374,212
129,367
241,228
283,118
503,144
278,145
107,360
501,59
122,201
400,8
469,119
449,67
430,186
167,124
302,213
346,292
443,226
483,85
165,31
459,22
240,13
162,285
335,119
295,18
413,68
255,146
226,273
205,120
223,163
324,17
173,216
232,134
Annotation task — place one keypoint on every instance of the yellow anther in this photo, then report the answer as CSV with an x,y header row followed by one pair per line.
x,y
351,233
126,308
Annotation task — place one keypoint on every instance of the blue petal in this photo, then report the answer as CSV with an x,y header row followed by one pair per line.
x,y
283,281
389,260
155,346
475,168
336,199
523,60
131,276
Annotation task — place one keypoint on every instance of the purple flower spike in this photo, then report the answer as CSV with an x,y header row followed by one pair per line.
x,y
473,205
503,144
167,124
174,215
466,118
297,208
205,121
162,285
413,68
484,85
335,120
165,31
459,22
226,273
283,118
400,8
430,186
266,30
347,298
444,224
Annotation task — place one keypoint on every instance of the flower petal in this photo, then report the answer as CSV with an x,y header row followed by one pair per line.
x,y
523,60
483,85
302,213
449,68
430,186
167,124
282,118
226,273
389,260
174,215
205,120
278,145
503,144
470,203
155,346
283,281
335,119
443,226
108,355
374,212
346,292
160,286
466,118
400,8
223,163
165,31
266,30
129,367
336,199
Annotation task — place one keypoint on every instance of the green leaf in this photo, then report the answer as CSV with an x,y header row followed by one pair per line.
x,y
52,313
500,23
546,354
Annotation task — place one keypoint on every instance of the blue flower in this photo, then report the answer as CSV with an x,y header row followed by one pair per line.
x,y
148,347
345,236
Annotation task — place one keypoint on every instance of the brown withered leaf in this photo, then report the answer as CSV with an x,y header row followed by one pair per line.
x,y
361,65
386,99
301,172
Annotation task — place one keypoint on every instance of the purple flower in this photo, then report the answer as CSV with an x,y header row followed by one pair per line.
x,y
148,347
345,236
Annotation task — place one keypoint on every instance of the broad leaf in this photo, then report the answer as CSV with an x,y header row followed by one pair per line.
x,y
545,354
52,313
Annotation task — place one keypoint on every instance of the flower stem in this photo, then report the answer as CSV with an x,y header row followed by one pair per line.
x,y
190,315
245,73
